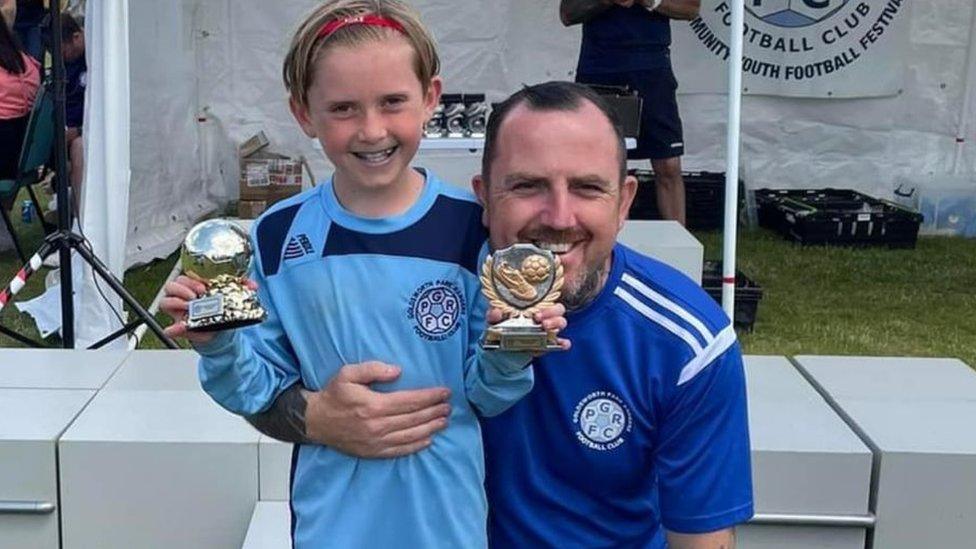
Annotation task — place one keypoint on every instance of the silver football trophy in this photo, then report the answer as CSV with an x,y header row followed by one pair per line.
x,y
475,115
454,115
435,129
521,280
217,253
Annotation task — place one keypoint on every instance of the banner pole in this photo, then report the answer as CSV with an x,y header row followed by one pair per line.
x,y
967,98
732,159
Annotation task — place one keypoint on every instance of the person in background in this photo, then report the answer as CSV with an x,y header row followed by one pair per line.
x,y
8,13
19,79
28,26
627,43
76,76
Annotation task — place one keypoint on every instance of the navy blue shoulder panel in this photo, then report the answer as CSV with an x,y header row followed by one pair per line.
x,y
451,231
271,232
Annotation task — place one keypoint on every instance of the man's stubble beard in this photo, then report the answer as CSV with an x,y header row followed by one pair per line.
x,y
586,291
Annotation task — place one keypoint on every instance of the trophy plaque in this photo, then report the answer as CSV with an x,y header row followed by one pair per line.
x,y
521,280
217,253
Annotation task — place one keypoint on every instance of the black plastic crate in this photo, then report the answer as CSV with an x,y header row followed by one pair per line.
x,y
704,198
748,294
837,217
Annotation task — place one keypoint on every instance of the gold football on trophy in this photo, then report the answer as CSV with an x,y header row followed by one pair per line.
x,y
535,268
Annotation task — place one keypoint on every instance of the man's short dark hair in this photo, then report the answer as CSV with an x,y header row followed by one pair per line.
x,y
69,26
549,96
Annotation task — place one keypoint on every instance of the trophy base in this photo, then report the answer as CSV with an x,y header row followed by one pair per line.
x,y
220,325
531,339
228,304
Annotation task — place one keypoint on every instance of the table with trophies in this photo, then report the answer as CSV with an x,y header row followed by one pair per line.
x,y
454,138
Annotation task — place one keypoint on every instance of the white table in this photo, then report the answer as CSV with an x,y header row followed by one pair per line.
x,y
475,143
157,469
666,241
162,370
57,368
31,420
275,473
456,159
805,461
270,526
918,415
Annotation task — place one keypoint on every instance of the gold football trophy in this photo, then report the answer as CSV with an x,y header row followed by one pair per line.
x,y
521,280
217,252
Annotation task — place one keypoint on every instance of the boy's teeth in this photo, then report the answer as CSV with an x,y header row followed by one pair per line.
x,y
376,156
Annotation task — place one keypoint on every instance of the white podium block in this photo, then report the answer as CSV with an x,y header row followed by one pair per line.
x,y
157,370
157,469
805,461
270,526
918,415
57,368
666,241
275,473
31,420
452,165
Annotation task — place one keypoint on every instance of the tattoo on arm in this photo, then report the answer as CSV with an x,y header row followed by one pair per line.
x,y
285,420
680,9
573,12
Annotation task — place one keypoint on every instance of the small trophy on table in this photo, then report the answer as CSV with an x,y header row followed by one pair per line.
x,y
217,252
521,280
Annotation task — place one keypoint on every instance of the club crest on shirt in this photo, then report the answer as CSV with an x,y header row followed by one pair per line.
x,y
436,309
602,420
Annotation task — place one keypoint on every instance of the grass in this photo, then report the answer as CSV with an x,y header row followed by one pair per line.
x,y
817,300
860,301
142,282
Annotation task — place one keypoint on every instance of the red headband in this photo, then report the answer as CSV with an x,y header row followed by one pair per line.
x,y
370,19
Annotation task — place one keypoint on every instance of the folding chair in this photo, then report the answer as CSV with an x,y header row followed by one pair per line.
x,y
38,143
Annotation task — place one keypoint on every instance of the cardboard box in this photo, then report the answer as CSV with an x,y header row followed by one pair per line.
x,y
251,209
269,177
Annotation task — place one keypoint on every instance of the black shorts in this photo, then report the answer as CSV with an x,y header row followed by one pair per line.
x,y
12,132
660,125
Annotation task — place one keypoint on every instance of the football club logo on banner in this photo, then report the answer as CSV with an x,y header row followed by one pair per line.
x,y
803,47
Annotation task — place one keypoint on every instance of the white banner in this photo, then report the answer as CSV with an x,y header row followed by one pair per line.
x,y
798,48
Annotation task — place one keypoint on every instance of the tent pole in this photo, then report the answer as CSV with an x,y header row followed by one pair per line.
x,y
63,241
732,159
967,98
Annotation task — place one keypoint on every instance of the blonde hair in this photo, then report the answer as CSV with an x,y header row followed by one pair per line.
x,y
306,45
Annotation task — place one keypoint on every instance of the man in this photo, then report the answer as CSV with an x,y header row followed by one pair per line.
x,y
76,76
634,437
8,13
627,43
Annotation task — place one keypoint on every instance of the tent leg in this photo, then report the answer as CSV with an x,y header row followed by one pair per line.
x,y
99,268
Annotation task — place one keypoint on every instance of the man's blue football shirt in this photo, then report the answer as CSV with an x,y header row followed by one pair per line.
x,y
641,427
